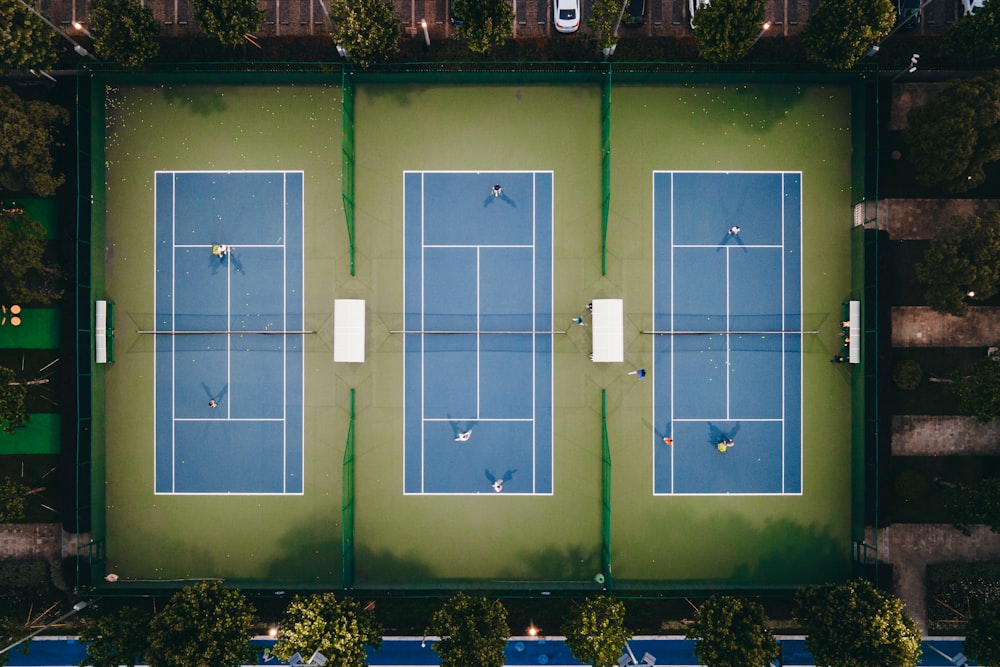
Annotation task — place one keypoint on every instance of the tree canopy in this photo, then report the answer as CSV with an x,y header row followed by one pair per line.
x,y
952,137
368,29
728,29
595,630
339,629
982,634
203,625
29,129
12,395
732,632
978,388
977,503
25,273
229,21
485,24
473,631
976,37
839,32
25,41
962,263
856,625
118,638
604,18
13,496
124,31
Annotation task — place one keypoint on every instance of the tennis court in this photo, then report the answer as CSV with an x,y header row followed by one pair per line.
x,y
478,337
229,374
318,473
728,332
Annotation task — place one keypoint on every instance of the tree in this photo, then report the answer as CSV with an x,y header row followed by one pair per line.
x,y
13,499
10,632
12,394
124,31
978,389
951,138
26,164
728,29
595,630
977,503
841,31
473,631
962,262
606,14
25,275
229,21
485,23
855,625
203,625
118,638
25,41
732,632
366,28
982,634
339,629
977,37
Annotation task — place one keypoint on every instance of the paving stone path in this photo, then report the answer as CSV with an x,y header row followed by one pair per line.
x,y
919,326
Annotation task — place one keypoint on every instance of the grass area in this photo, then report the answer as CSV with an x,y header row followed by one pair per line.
x,y
921,485
28,365
931,398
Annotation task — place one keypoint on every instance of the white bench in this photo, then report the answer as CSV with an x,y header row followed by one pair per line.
x,y
101,332
854,333
349,330
609,336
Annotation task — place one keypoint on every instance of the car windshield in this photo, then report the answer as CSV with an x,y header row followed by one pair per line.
x,y
567,14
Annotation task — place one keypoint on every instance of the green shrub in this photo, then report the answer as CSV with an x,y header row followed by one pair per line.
x,y
954,589
907,374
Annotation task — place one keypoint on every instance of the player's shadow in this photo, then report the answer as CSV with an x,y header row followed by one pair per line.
x,y
215,396
504,198
730,239
717,435
459,426
229,259
498,482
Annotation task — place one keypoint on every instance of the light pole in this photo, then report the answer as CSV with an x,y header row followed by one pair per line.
x,y
913,67
79,27
80,51
610,51
77,607
764,28
427,37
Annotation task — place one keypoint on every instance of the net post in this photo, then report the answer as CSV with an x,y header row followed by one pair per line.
x,y
347,156
605,493
347,506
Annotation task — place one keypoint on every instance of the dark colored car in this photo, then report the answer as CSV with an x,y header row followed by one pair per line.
x,y
909,12
635,13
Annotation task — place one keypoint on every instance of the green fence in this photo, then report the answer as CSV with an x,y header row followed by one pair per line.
x,y
605,492
605,166
347,505
347,156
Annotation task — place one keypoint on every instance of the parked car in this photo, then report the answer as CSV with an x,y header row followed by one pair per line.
x,y
567,15
694,6
635,13
970,6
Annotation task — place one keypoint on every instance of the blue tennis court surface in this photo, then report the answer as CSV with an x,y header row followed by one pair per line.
x,y
229,409
478,400
727,298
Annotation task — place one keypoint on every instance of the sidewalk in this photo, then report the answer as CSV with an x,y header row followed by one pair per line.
x,y
920,326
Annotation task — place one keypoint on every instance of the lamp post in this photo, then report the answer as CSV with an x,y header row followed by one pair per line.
x,y
912,68
77,607
427,37
79,27
77,48
610,51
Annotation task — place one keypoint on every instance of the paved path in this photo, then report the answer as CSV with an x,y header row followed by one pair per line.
x,y
919,435
37,541
920,326
910,547
918,219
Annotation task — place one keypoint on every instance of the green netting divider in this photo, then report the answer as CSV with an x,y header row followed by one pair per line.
x,y
347,506
605,165
347,156
605,492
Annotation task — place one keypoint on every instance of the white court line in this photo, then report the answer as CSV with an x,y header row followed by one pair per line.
x,y
230,419
479,245
716,245
484,419
728,318
234,245
534,317
423,345
284,337
673,290
173,343
784,314
479,375
722,419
